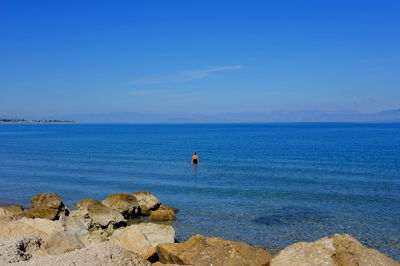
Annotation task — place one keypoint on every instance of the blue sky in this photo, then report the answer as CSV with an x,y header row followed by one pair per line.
x,y
76,57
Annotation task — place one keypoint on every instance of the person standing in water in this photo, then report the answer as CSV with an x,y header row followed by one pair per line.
x,y
195,158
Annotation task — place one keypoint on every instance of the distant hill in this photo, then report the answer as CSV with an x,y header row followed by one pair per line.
x,y
242,117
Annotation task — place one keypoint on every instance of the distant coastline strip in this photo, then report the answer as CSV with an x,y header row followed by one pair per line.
x,y
6,121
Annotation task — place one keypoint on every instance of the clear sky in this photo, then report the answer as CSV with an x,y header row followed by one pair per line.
x,y
76,57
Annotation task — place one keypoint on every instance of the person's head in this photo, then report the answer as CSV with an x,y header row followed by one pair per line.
x,y
194,153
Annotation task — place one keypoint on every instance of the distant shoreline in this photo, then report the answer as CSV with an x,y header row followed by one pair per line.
x,y
23,121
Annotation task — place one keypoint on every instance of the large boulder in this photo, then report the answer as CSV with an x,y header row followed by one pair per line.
x,y
147,201
201,250
133,240
95,255
17,228
157,233
13,211
47,201
340,250
92,238
17,249
50,214
43,225
103,215
124,203
74,224
45,205
162,215
93,213
62,242
83,204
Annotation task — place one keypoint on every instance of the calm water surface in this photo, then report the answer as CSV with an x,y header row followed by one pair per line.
x,y
265,184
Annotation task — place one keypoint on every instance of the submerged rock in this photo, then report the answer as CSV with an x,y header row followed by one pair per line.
x,y
17,249
95,255
340,250
124,203
201,250
162,215
132,239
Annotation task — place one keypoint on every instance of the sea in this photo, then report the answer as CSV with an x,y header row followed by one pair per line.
x,y
268,185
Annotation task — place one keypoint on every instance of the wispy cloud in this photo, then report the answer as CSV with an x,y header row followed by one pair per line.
x,y
186,76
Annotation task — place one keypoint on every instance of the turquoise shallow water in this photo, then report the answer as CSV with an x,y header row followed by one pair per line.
x,y
265,184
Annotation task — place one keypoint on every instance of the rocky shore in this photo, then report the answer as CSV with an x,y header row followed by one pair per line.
x,y
136,229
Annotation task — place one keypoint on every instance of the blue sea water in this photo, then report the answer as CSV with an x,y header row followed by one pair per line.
x,y
269,185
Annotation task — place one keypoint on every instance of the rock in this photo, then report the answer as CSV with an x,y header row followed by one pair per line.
x,y
304,253
124,203
74,224
157,233
17,228
103,215
162,215
43,225
47,201
5,219
133,240
163,207
17,249
340,250
147,201
95,255
82,216
62,242
83,204
201,250
50,214
89,239
351,252
162,264
46,206
13,211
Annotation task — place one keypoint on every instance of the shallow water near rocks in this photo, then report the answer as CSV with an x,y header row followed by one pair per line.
x,y
268,185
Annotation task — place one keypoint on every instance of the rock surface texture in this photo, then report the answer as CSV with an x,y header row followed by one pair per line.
x,y
14,211
201,250
103,215
17,249
147,201
340,250
61,243
133,240
157,233
17,228
162,215
124,203
45,205
95,255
